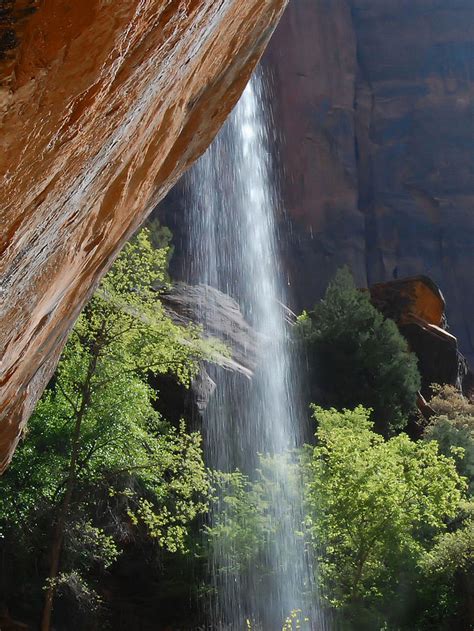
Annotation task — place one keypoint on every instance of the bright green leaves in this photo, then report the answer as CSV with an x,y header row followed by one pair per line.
x,y
179,483
127,322
379,516
240,527
136,270
96,431
374,506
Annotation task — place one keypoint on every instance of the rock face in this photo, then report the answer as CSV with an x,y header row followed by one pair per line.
x,y
374,100
221,319
102,106
410,300
418,307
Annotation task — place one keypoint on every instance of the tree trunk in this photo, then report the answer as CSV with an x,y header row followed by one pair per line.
x,y
58,533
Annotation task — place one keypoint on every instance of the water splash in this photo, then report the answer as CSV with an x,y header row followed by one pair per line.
x,y
233,243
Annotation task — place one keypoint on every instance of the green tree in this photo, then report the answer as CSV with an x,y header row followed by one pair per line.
x,y
246,519
240,529
375,508
161,238
453,551
252,517
452,426
358,356
96,451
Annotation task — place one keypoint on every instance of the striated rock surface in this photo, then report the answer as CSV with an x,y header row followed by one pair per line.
x,y
102,106
221,319
374,100
418,307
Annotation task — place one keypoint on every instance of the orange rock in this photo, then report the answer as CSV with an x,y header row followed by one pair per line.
x,y
102,106
410,299
417,306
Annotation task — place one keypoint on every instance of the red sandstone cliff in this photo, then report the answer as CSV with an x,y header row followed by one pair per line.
x,y
102,106
374,100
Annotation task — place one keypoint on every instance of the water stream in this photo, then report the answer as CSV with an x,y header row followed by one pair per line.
x,y
233,240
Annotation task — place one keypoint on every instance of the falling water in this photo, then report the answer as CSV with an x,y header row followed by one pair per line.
x,y
233,243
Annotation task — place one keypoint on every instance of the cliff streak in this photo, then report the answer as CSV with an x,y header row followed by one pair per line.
x,y
103,105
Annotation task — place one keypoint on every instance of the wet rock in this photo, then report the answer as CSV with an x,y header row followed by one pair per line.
x,y
203,388
221,319
102,106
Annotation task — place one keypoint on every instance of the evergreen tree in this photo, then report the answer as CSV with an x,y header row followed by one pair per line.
x,y
358,356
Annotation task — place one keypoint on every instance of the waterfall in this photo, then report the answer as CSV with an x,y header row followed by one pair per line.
x,y
231,206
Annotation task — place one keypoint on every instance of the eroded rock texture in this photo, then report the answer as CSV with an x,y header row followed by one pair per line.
x,y
375,102
102,106
220,317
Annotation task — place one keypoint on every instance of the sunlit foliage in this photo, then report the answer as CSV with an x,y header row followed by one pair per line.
x,y
376,508
98,461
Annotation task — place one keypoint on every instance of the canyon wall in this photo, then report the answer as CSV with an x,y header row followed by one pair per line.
x,y
102,106
374,102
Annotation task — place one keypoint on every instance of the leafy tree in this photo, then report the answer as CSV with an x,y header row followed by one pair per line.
x,y
453,551
375,509
161,238
452,558
98,460
240,528
246,519
359,357
452,426
252,517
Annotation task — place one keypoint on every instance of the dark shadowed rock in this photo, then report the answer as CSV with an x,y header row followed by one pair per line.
x,y
374,100
7,623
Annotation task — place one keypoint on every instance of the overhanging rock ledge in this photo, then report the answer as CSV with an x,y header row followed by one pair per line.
x,y
102,106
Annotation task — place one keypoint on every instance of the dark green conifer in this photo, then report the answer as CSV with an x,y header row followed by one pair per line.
x,y
359,357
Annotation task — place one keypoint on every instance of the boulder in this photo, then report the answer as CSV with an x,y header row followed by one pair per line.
x,y
416,299
221,319
418,307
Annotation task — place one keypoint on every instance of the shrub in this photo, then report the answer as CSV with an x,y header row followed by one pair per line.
x,y
452,426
